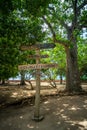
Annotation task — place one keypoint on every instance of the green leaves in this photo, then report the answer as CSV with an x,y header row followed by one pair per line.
x,y
82,59
16,28
83,18
37,7
7,6
56,55
82,54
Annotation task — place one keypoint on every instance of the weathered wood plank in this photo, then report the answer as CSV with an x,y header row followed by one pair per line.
x,y
37,66
38,46
37,56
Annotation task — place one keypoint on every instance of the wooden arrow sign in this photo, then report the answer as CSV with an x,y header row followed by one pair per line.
x,y
38,46
36,66
38,56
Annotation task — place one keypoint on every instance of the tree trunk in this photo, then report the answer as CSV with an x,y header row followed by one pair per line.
x,y
3,82
61,79
72,73
30,84
22,78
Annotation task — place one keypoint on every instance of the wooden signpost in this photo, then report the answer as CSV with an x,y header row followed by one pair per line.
x,y
37,56
38,46
37,66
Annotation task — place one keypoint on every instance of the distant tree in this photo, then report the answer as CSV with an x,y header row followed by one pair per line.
x,y
65,20
70,17
82,59
56,55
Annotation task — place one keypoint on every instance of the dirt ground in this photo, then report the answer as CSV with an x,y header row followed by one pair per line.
x,y
60,112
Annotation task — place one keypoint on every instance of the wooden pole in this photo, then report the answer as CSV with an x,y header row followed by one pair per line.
x,y
37,116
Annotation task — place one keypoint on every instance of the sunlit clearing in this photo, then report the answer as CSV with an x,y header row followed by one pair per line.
x,y
62,110
46,102
74,108
56,113
85,101
84,123
47,109
58,123
14,94
30,126
63,116
65,105
21,117
85,106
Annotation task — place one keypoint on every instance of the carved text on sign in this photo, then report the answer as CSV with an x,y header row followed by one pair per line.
x,y
38,46
36,66
38,56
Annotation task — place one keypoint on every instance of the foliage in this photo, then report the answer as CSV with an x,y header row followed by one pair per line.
x,y
23,22
56,55
16,29
65,19
36,7
82,58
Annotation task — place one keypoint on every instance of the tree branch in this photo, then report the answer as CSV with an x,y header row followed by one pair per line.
x,y
74,20
62,42
77,11
81,6
51,28
60,20
82,26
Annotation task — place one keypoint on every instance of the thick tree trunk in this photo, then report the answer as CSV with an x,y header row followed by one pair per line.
x,y
22,78
72,73
61,79
3,82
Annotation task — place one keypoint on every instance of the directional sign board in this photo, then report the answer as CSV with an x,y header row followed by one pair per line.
x,y
38,56
38,46
36,66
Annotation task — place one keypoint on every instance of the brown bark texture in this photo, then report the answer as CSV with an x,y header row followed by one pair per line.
x,y
72,71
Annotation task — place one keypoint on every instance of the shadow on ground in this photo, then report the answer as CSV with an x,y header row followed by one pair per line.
x,y
60,113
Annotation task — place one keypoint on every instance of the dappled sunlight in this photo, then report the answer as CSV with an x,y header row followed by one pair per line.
x,y
58,116
64,116
15,94
85,106
59,111
85,101
58,122
33,125
80,125
71,112
46,102
74,108
30,126
65,105
83,123
47,109
22,94
62,110
21,117
70,123
56,113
